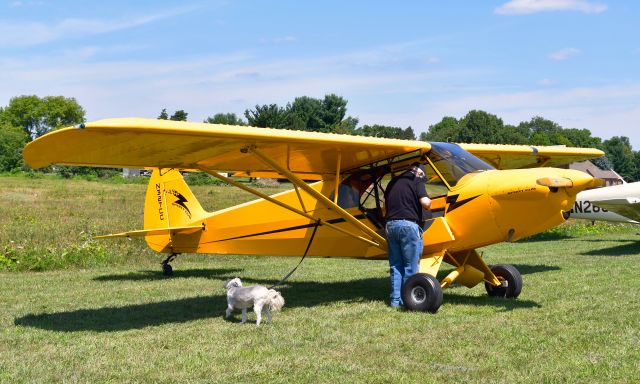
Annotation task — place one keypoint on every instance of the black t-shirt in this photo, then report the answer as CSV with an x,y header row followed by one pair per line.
x,y
402,197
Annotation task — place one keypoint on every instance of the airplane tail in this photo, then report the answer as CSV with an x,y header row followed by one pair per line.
x,y
173,217
169,201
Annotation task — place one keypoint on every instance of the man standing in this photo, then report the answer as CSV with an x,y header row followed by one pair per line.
x,y
405,198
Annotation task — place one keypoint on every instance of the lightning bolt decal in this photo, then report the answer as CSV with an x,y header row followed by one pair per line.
x,y
181,201
454,203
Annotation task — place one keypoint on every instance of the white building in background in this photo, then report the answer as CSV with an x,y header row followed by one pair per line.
x,y
127,172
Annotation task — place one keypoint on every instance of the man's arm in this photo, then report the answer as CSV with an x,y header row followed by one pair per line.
x,y
425,202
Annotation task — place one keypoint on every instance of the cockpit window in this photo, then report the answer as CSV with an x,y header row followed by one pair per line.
x,y
454,162
434,184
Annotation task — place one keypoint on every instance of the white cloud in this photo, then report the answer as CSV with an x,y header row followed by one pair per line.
x,y
378,91
564,54
522,7
220,83
24,34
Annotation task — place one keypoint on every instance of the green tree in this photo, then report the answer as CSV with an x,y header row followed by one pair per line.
x,y
271,116
408,134
12,141
619,152
480,127
346,126
448,129
334,110
305,114
37,116
602,162
539,138
511,135
475,127
542,131
225,118
377,130
163,115
581,138
179,115
326,115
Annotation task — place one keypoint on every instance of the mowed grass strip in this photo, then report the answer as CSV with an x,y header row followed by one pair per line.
x,y
576,320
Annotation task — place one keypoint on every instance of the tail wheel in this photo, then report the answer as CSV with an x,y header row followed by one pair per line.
x,y
422,292
508,274
167,270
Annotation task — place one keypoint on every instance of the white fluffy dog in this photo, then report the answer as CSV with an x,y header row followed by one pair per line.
x,y
256,296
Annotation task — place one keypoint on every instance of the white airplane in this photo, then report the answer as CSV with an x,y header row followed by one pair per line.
x,y
620,203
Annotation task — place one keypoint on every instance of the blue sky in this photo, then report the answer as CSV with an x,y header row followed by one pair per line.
x,y
576,62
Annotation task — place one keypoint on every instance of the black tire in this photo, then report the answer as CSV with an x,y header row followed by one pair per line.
x,y
167,270
422,292
508,273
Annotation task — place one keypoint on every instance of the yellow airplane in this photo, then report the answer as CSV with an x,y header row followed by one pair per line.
x,y
342,213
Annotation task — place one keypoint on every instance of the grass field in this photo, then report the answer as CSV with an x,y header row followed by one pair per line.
x,y
114,318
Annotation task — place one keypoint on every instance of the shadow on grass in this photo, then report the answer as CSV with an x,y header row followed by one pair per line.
x,y
630,248
506,304
525,269
545,236
207,273
296,294
136,316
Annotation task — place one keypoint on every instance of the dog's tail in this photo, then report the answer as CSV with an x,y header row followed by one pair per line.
x,y
275,300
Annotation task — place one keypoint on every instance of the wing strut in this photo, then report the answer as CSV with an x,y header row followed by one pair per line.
x,y
293,209
335,193
381,242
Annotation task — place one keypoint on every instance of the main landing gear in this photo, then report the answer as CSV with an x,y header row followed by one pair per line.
x,y
167,270
422,292
511,282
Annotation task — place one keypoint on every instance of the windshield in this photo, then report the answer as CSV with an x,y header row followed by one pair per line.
x,y
454,162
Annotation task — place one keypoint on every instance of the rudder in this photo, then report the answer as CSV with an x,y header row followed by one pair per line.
x,y
169,201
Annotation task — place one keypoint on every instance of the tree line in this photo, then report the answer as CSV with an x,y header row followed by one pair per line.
x,y
28,117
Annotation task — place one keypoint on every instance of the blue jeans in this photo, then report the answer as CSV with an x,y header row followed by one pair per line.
x,y
404,238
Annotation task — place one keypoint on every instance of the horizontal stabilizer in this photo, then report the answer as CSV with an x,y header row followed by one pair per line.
x,y
628,207
158,231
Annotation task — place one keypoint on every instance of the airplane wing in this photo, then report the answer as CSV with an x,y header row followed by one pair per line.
x,y
525,156
623,199
134,142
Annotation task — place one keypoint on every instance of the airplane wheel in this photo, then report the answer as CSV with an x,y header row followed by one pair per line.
x,y
422,292
167,270
508,273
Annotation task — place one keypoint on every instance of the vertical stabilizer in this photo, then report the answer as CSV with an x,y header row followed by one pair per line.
x,y
169,203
